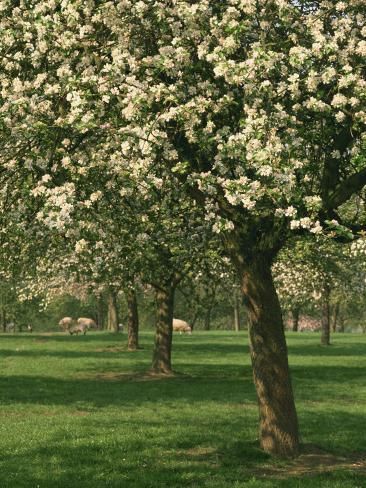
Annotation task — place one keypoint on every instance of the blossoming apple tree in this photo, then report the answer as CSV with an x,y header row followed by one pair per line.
x,y
258,108
317,272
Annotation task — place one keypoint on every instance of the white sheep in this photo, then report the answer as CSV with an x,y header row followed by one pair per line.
x,y
66,322
88,323
78,328
181,326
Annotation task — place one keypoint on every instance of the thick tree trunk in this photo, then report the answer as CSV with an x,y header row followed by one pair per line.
x,y
295,312
278,429
236,315
325,337
132,320
161,363
112,312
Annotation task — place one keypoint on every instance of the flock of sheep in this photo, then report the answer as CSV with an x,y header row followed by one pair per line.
x,y
83,324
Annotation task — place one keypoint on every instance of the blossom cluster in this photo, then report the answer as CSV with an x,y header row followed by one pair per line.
x,y
249,103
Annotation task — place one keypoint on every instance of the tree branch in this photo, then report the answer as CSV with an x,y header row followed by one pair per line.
x,y
352,185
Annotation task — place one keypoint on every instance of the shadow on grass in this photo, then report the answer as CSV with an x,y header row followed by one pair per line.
x,y
197,345
102,389
64,337
137,466
335,349
70,467
70,354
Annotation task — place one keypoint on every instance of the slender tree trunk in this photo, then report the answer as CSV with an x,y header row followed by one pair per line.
x,y
236,314
161,363
278,427
100,312
295,312
335,316
112,312
207,323
132,320
341,323
325,337
3,319
193,321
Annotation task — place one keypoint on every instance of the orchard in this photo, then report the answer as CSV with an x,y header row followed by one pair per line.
x,y
149,145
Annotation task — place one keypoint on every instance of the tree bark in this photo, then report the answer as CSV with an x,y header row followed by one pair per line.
x,y
335,316
193,321
295,312
3,319
207,323
325,336
341,323
100,312
132,320
278,428
236,314
161,363
112,312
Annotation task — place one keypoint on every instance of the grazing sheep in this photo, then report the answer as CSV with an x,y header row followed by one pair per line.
x,y
65,323
181,326
10,327
78,328
88,323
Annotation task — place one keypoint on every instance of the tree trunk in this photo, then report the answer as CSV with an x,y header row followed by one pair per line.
x,y
112,312
132,320
3,319
278,428
207,323
161,363
192,323
341,323
335,316
295,312
236,314
100,312
325,337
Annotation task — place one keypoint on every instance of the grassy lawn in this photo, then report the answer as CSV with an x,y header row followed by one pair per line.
x,y
81,412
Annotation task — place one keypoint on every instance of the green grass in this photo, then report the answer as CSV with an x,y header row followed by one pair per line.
x,y
79,412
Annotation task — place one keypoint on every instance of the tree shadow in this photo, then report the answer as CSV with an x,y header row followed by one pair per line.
x,y
204,349
335,349
105,388
49,337
76,467
188,462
